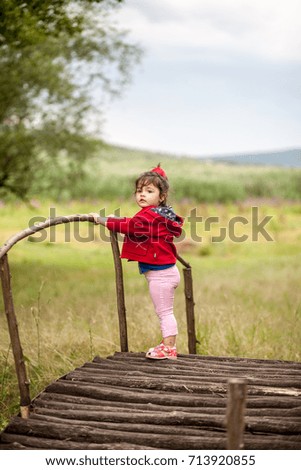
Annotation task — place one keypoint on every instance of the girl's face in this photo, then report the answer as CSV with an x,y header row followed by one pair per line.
x,y
148,195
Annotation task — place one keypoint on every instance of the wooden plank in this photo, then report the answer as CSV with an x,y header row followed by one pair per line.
x,y
117,360
191,384
86,434
130,426
19,441
162,398
212,359
173,418
57,401
176,418
180,368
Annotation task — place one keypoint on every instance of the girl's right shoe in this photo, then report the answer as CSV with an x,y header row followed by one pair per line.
x,y
162,352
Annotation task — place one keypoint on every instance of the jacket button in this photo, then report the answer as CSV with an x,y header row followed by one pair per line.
x,y
155,255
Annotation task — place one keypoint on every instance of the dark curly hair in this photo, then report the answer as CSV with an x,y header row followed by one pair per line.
x,y
150,177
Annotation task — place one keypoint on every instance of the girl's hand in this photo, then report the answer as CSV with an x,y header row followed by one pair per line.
x,y
97,218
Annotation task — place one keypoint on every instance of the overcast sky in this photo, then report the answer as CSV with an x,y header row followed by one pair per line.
x,y
217,77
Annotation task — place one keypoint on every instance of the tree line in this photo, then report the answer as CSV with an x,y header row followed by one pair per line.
x,y
52,55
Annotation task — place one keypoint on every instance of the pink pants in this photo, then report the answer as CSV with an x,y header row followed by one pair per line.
x,y
162,285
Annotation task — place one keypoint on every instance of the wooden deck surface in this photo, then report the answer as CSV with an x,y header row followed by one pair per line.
x,y
128,402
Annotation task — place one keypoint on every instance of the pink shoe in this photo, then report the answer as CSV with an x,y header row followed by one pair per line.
x,y
162,352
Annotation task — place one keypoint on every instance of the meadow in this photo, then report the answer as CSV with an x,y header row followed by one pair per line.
x,y
246,282
111,172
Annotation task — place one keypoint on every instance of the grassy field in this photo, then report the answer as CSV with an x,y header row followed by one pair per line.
x,y
247,293
111,172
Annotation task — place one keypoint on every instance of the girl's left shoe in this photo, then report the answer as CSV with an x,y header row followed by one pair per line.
x,y
162,352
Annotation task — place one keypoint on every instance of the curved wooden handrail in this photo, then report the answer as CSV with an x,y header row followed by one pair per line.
x,y
65,219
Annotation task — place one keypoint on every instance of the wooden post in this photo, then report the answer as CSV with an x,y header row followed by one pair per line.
x,y
120,294
188,289
189,301
237,392
14,337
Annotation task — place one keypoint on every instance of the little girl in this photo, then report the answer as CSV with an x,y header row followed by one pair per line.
x,y
149,240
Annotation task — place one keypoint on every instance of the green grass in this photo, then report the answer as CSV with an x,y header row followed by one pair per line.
x,y
247,295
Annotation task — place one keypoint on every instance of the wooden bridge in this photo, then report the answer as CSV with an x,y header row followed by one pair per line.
x,y
128,402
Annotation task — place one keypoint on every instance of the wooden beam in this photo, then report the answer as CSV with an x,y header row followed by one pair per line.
x,y
237,392
120,294
189,301
65,219
15,338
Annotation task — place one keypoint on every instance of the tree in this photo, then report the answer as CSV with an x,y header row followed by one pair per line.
x,y
51,54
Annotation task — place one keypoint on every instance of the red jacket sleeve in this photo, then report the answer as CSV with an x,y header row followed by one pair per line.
x,y
129,225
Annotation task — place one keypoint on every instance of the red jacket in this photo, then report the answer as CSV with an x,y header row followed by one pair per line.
x,y
148,236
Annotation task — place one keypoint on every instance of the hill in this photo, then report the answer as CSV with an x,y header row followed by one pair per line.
x,y
284,158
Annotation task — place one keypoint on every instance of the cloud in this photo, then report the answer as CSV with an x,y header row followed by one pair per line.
x,y
217,76
264,28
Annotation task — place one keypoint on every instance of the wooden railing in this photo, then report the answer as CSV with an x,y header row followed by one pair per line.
x,y
20,366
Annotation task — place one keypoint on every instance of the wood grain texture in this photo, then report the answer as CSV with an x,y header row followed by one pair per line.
x,y
125,401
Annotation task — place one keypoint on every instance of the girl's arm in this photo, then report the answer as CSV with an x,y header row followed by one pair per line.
x,y
99,220
136,226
